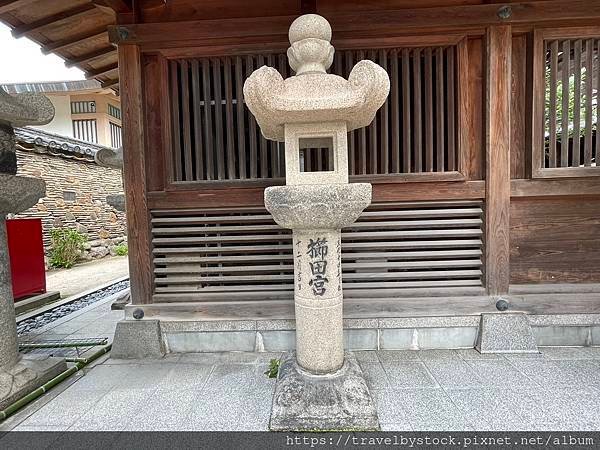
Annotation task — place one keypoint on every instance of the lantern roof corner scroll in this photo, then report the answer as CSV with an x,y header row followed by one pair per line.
x,y
28,108
109,157
313,95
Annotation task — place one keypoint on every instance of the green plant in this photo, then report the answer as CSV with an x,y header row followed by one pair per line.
x,y
273,369
121,249
67,245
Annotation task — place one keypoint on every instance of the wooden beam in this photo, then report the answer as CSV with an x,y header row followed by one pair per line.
x,y
63,15
109,83
63,44
497,207
228,196
568,187
90,56
118,6
353,23
10,5
134,174
101,71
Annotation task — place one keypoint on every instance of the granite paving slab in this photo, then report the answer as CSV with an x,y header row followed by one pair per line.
x,y
113,411
375,375
485,408
409,374
235,377
243,409
146,376
499,373
64,410
565,353
397,355
591,352
543,371
538,406
453,373
185,376
431,409
580,372
390,410
438,355
469,354
165,410
366,356
104,378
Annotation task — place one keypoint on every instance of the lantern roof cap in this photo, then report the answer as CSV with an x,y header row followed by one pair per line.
x,y
313,95
28,108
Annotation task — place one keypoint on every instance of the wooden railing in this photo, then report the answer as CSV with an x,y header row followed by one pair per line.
x,y
216,138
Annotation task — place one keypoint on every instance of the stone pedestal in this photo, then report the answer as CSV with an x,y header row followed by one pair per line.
x,y
505,333
137,339
338,401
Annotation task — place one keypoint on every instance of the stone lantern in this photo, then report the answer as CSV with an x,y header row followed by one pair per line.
x,y
314,111
107,157
19,374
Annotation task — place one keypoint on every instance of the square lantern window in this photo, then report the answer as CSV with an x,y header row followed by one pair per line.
x,y
316,153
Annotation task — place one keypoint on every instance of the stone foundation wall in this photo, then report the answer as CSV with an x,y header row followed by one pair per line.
x,y
76,193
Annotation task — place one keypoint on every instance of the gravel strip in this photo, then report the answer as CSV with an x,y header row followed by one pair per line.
x,y
33,323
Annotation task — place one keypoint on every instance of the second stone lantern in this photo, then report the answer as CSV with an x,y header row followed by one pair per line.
x,y
312,112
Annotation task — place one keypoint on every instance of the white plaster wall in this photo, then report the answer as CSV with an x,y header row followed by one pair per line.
x,y
61,124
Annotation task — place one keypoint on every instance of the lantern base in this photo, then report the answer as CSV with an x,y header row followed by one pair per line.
x,y
337,401
28,374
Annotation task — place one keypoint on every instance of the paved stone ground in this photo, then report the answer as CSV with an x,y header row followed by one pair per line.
x,y
86,276
414,390
428,390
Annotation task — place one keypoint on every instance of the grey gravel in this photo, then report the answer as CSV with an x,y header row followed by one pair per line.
x,y
27,326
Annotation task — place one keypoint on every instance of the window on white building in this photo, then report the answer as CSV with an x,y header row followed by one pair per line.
x,y
86,130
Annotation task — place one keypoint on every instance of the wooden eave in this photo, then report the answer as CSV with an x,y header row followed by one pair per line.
x,y
75,30
84,32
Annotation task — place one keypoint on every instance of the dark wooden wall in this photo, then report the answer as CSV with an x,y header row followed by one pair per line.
x,y
494,117
555,240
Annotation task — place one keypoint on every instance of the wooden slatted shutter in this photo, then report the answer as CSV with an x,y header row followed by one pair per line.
x,y
223,254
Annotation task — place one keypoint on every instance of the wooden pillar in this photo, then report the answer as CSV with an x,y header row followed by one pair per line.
x,y
498,94
134,175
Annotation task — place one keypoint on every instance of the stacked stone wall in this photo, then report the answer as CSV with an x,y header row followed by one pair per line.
x,y
86,210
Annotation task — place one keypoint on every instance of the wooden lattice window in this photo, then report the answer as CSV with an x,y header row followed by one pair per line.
x,y
115,135
86,130
216,138
114,111
84,107
566,87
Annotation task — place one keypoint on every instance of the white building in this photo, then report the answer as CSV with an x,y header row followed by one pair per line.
x,y
84,110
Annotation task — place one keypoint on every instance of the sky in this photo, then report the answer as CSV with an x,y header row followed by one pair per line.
x,y
23,62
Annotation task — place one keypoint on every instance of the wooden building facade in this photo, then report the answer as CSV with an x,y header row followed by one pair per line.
x,y
483,159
